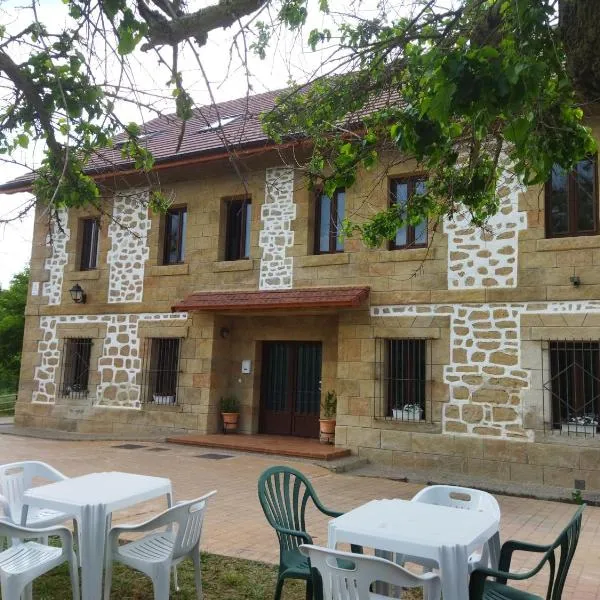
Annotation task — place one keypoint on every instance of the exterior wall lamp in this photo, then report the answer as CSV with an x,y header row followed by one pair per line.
x,y
77,294
575,280
224,333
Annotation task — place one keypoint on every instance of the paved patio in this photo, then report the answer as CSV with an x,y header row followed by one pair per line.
x,y
235,524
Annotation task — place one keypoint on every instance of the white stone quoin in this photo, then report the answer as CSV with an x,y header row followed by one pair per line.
x,y
55,263
487,257
128,232
276,235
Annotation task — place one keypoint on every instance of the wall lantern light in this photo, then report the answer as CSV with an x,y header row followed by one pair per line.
x,y
77,294
224,332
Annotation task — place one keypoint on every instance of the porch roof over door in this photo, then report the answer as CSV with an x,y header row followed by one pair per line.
x,y
325,297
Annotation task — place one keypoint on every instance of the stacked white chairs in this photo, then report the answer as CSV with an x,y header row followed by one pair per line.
x,y
350,576
156,553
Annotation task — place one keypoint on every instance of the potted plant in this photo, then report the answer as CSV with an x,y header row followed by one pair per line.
x,y
230,412
327,420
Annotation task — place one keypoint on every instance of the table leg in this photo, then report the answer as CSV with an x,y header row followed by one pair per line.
x,y
494,550
92,525
454,572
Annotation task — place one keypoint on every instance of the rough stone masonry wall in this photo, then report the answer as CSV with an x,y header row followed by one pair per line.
x,y
119,364
276,236
55,263
128,231
487,257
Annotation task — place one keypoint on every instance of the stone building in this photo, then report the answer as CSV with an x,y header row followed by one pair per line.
x,y
454,348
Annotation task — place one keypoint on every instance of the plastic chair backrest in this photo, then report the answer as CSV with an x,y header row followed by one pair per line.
x,y
188,518
567,542
348,576
284,493
458,497
16,478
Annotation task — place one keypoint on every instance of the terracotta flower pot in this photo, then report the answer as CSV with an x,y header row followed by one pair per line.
x,y
327,426
230,422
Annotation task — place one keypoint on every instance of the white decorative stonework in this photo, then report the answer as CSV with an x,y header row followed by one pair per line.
x,y
55,263
277,214
487,257
128,232
119,364
485,376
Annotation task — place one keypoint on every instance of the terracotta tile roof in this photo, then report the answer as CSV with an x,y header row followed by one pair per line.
x,y
336,297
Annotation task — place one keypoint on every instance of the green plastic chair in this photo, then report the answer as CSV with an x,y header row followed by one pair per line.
x,y
284,493
481,588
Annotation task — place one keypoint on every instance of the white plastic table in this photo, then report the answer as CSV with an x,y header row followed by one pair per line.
x,y
91,499
445,534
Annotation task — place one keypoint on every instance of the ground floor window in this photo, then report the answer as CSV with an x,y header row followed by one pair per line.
x,y
401,378
76,367
574,386
161,370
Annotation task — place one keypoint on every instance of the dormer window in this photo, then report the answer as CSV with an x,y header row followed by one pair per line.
x,y
219,123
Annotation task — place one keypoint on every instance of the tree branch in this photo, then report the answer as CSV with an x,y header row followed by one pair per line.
x,y
195,25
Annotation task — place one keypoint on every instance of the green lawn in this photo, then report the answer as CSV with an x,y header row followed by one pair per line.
x,y
223,578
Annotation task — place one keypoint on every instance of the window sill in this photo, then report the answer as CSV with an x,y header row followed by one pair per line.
x,y
165,270
223,266
422,426
569,243
318,260
82,275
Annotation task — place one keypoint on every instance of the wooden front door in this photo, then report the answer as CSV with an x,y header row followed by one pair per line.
x,y
291,388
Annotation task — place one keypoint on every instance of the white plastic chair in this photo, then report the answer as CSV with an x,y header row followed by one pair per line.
x,y
466,499
156,553
349,576
15,479
24,562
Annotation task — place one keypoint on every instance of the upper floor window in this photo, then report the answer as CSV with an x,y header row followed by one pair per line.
x,y
402,190
237,233
572,200
174,240
88,248
330,213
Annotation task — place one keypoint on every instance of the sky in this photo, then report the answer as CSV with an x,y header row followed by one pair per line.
x,y
286,59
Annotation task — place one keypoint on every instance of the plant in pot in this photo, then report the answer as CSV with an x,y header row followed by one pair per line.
x,y
327,420
230,413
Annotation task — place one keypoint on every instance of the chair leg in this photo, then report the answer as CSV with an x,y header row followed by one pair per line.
x,y
279,588
108,568
27,593
161,585
74,574
309,589
198,574
175,580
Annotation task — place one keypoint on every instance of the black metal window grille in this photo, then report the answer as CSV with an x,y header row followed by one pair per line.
x,y
329,217
174,240
161,370
572,391
402,373
88,255
237,234
571,200
76,367
402,191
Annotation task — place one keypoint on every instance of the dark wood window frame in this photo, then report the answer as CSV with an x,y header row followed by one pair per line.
x,y
411,181
179,247
334,245
237,233
88,246
573,205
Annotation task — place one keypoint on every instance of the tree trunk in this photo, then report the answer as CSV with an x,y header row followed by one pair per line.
x,y
580,32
